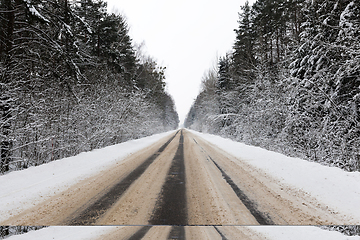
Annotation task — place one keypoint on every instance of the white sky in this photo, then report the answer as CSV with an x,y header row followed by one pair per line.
x,y
184,36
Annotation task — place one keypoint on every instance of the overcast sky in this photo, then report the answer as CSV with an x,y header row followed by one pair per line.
x,y
185,36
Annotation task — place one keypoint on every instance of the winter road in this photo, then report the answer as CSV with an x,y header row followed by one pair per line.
x,y
181,180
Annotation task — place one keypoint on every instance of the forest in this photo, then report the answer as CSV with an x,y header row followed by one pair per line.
x,y
290,83
72,80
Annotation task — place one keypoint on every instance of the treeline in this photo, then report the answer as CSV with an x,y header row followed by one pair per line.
x,y
71,81
291,82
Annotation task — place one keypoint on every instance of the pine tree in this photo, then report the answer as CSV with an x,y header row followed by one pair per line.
x,y
244,58
115,48
227,96
270,23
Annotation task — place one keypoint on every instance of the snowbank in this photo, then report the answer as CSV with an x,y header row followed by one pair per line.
x,y
61,233
300,233
338,189
23,189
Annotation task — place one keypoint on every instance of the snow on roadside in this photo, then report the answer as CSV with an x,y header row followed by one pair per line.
x,y
23,189
338,189
98,232
300,233
65,232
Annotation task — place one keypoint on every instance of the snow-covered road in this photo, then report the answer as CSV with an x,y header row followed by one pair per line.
x,y
227,183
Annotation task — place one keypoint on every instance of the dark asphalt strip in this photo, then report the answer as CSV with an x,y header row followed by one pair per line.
x,y
90,215
177,232
170,208
261,218
140,233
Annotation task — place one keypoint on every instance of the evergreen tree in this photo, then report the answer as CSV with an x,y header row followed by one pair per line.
x,y
227,96
244,58
270,23
115,47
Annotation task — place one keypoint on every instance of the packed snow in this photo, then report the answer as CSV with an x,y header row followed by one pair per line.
x,y
23,189
338,189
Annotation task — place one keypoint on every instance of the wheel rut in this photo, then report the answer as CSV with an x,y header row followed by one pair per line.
x,y
220,233
91,213
177,232
140,233
261,217
171,208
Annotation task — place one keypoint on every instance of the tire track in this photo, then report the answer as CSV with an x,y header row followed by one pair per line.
x,y
91,213
220,233
177,232
170,208
140,233
261,218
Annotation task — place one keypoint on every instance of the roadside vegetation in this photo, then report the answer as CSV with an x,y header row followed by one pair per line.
x,y
291,83
72,80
